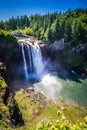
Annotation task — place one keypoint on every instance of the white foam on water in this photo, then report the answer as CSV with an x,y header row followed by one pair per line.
x,y
49,86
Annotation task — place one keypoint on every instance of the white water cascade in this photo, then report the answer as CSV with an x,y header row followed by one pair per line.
x,y
25,63
37,60
32,59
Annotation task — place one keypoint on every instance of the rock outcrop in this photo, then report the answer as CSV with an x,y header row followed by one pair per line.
x,y
68,54
9,111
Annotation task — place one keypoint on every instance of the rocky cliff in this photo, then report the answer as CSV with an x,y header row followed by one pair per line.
x,y
9,112
71,56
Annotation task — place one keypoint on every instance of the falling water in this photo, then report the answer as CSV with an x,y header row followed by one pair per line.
x,y
25,63
30,58
33,63
37,60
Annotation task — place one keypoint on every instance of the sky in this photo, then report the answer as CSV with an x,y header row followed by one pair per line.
x,y
9,8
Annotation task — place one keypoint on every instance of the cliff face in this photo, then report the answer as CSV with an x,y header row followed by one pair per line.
x,y
10,56
70,55
9,112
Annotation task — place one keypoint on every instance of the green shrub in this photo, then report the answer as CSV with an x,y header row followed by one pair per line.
x,y
5,35
27,31
61,124
2,83
4,125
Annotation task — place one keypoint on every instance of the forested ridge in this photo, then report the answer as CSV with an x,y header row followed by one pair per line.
x,y
70,25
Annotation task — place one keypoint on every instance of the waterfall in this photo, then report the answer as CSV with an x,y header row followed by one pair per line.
x,y
32,59
37,60
25,63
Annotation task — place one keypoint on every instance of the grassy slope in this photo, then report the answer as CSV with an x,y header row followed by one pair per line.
x,y
34,110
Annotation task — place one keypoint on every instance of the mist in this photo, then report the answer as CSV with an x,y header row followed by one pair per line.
x,y
49,86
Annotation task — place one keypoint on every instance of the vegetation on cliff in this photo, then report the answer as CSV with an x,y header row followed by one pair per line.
x,y
6,36
10,115
4,111
8,43
8,52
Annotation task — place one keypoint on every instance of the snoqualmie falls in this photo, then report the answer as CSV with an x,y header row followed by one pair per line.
x,y
55,85
33,64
